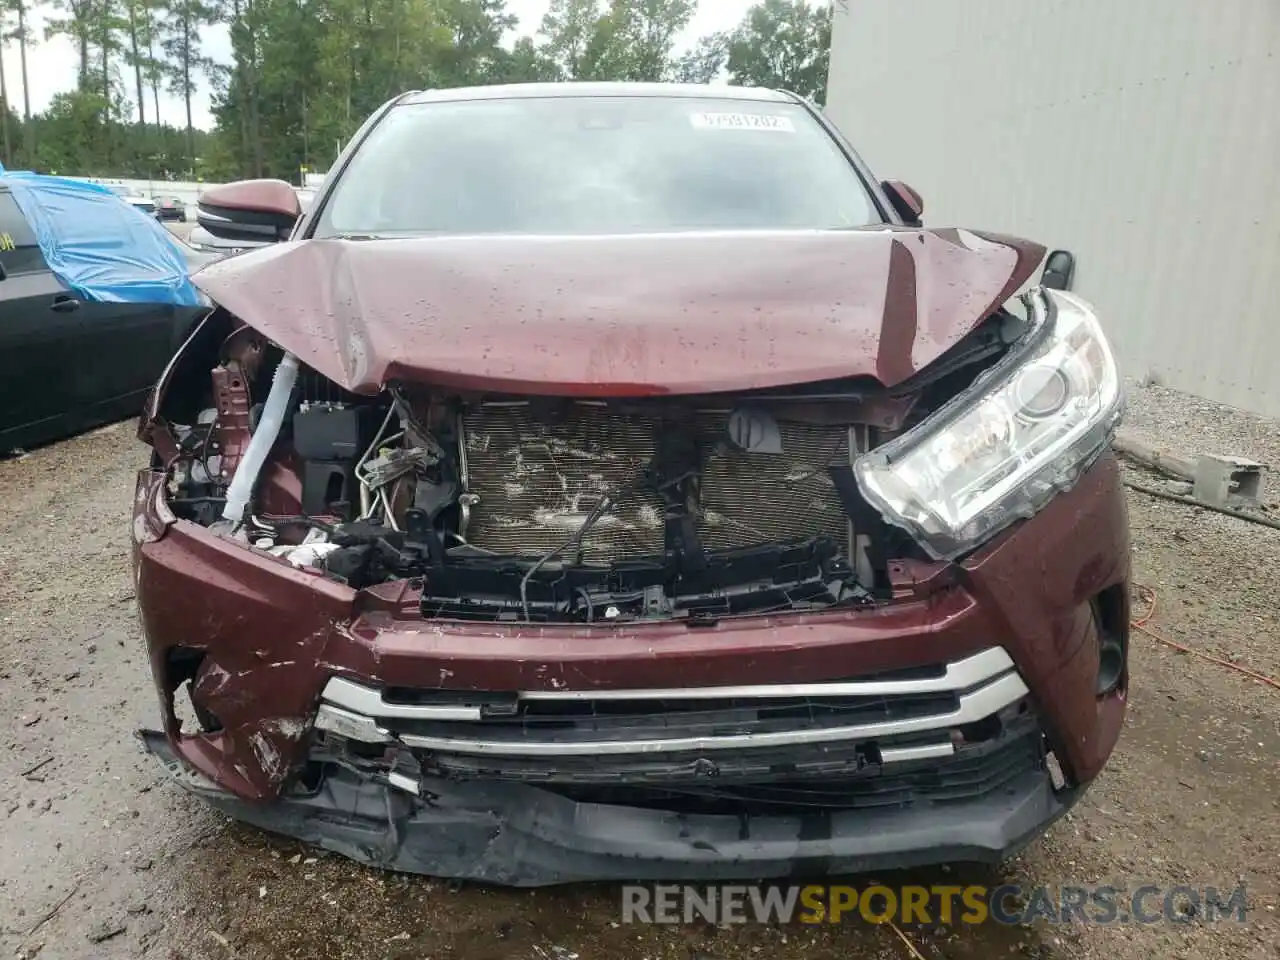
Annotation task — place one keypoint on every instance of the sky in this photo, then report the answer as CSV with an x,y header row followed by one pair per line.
x,y
51,64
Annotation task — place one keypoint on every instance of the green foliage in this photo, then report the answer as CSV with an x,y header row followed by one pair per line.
x,y
620,40
304,74
783,44
72,129
567,31
704,63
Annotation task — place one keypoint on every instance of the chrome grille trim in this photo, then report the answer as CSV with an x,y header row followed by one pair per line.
x,y
961,675
983,683
974,706
353,726
922,751
357,698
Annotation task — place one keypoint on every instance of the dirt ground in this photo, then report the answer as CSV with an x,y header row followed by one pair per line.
x,y
99,858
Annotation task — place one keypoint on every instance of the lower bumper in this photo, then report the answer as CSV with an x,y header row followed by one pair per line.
x,y
520,835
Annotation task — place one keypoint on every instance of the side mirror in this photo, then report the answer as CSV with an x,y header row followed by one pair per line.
x,y
202,239
261,211
1059,270
906,202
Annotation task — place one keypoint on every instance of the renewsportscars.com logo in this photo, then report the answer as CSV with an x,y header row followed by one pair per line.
x,y
939,904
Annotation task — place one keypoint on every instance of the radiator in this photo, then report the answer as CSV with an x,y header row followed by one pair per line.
x,y
538,478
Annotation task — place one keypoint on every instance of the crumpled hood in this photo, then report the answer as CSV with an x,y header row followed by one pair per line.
x,y
623,315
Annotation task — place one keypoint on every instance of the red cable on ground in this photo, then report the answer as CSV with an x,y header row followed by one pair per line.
x,y
1141,624
1151,610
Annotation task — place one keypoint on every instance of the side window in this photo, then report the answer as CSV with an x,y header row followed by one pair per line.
x,y
19,251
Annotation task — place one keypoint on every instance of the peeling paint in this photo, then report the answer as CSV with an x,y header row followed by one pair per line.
x,y
268,757
216,676
290,727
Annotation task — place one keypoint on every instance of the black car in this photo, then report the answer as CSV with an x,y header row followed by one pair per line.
x,y
68,364
170,208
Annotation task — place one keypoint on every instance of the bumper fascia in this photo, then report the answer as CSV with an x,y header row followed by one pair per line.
x,y
270,637
517,835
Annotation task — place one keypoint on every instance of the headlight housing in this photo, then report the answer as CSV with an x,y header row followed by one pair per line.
x,y
1024,431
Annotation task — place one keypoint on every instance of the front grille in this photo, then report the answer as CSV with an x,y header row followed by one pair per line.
x,y
734,734
580,727
975,770
935,734
538,477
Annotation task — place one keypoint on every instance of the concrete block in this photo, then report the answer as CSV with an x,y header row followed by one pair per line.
x,y
1220,481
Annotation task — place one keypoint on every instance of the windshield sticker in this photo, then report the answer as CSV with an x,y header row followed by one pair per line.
x,y
741,121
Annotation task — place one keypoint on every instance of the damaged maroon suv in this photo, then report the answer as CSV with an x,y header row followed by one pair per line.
x,y
617,481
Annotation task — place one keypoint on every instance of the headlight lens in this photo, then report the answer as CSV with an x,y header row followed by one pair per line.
x,y
1026,430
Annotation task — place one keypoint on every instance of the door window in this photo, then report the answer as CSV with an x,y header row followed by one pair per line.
x,y
19,251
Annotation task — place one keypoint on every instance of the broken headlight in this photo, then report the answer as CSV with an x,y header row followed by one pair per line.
x,y
1024,431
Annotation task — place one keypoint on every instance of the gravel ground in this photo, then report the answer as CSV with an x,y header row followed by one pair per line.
x,y
100,859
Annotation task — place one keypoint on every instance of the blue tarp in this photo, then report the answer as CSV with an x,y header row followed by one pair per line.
x,y
98,244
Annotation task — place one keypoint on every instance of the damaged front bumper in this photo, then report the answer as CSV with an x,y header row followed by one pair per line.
x,y
929,728
518,835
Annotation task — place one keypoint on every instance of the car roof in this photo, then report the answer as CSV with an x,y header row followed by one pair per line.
x,y
598,89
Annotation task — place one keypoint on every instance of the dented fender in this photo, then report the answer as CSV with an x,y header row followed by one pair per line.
x,y
214,611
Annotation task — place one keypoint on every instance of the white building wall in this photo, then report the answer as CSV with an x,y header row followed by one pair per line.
x,y
1142,135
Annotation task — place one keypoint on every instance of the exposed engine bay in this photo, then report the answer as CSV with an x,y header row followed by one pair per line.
x,y
541,509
